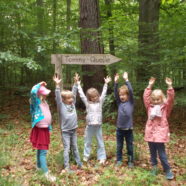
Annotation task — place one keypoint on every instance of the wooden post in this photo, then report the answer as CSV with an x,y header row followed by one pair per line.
x,y
57,61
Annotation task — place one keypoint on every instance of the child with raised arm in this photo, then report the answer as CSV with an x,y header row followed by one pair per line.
x,y
125,102
157,127
94,103
41,124
68,120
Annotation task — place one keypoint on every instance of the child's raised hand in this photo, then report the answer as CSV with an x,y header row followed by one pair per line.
x,y
125,76
107,79
152,81
168,81
56,79
76,78
43,83
116,78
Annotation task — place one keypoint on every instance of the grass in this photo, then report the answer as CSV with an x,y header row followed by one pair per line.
x,y
18,159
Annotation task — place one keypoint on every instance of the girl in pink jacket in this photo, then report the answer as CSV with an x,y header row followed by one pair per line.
x,y
157,127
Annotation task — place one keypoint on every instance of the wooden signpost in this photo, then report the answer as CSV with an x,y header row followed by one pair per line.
x,y
82,59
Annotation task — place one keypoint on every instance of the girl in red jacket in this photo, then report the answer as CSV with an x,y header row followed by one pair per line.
x,y
157,127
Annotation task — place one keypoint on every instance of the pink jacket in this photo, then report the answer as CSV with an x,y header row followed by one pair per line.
x,y
157,130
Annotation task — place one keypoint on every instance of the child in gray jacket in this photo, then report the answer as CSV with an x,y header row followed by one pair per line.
x,y
68,120
94,102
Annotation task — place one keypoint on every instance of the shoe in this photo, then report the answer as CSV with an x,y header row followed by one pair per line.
x,y
50,177
68,170
102,162
80,166
119,164
38,168
169,175
130,164
154,170
85,159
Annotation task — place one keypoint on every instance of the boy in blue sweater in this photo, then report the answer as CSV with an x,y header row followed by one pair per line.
x,y
125,102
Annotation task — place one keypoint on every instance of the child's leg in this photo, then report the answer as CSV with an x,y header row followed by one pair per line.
x,y
75,148
66,146
163,156
38,159
43,162
89,132
101,154
153,153
120,138
129,144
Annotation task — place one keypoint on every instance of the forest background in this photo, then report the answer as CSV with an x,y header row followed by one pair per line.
x,y
148,35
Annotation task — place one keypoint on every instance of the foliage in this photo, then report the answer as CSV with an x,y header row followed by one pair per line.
x,y
9,59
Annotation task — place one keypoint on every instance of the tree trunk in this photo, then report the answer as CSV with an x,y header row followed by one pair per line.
x,y
40,17
68,19
108,4
40,31
90,42
148,39
54,24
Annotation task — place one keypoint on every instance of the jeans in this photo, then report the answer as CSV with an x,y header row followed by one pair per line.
x,y
41,160
128,135
70,141
160,149
90,131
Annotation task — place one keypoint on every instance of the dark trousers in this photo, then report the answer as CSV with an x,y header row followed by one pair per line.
x,y
158,148
128,135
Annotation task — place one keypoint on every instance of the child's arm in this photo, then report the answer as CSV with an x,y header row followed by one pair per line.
x,y
116,94
75,86
125,77
170,96
147,92
105,87
36,87
34,91
58,98
81,93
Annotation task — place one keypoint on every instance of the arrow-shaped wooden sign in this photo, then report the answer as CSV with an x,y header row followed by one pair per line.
x,y
84,59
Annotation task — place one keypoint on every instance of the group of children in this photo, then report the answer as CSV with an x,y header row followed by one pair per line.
x,y
156,132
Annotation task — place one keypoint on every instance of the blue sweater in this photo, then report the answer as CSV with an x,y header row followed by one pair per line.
x,y
125,109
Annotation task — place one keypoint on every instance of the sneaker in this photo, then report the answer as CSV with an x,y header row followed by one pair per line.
x,y
102,162
154,170
85,159
169,175
68,170
50,177
119,164
130,164
80,166
38,168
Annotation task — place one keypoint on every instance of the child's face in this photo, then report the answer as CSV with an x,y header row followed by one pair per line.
x,y
156,100
94,98
123,96
68,100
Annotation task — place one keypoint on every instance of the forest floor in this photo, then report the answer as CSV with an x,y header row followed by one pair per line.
x,y
18,159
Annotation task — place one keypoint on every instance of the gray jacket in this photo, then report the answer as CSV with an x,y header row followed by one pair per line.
x,y
93,110
67,113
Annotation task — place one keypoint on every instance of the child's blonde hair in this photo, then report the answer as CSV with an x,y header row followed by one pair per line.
x,y
124,88
158,93
90,92
66,93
